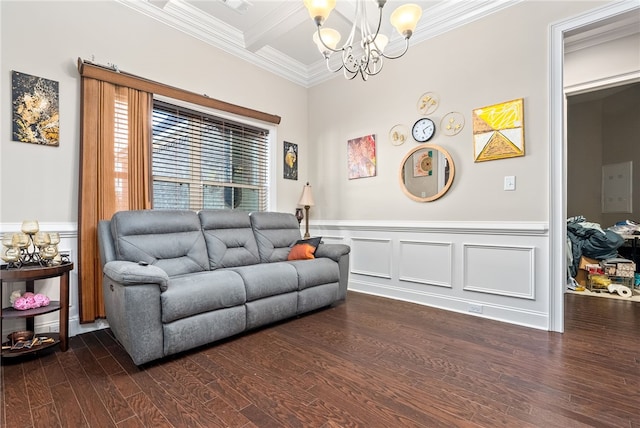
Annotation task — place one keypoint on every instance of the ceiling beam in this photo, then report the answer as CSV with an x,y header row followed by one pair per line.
x,y
278,23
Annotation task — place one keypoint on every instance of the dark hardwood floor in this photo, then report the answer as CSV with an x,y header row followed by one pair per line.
x,y
369,362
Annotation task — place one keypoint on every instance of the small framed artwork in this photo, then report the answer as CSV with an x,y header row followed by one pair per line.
x,y
423,163
498,131
361,157
36,115
290,161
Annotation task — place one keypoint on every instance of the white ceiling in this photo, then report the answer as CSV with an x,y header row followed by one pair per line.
x,y
276,34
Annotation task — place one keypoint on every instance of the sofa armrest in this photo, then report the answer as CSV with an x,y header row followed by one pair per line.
x,y
130,273
332,251
339,253
134,314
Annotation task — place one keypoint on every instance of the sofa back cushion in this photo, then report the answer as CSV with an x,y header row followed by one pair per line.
x,y
229,238
169,239
275,234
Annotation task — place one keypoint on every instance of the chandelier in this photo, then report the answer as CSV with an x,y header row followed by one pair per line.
x,y
366,57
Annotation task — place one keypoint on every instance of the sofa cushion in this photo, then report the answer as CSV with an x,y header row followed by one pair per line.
x,y
229,238
275,234
304,249
169,239
187,333
268,279
317,297
315,272
271,309
196,293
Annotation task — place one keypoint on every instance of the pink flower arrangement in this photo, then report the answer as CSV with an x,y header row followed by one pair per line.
x,y
30,301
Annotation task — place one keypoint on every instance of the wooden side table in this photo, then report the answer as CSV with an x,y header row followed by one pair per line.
x,y
29,274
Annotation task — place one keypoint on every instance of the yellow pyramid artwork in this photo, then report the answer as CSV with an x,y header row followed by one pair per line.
x,y
498,131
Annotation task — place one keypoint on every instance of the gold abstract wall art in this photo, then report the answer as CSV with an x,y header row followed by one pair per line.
x,y
36,116
498,131
290,161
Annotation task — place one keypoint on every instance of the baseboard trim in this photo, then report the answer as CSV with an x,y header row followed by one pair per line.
x,y
511,315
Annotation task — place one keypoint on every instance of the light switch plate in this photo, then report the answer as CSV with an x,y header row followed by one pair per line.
x,y
510,182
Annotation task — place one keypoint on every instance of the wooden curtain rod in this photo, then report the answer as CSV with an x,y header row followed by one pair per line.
x,y
131,81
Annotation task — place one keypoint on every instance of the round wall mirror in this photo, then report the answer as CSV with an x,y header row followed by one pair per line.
x,y
426,173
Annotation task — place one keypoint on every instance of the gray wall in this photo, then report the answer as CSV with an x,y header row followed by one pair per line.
x,y
42,182
496,59
603,127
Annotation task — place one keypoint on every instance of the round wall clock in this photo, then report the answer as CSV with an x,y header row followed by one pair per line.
x,y
452,123
423,130
398,134
428,103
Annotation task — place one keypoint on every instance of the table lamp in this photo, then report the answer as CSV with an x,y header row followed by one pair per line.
x,y
306,200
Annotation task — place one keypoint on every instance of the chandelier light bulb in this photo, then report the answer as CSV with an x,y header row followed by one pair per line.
x,y
319,10
328,38
405,18
381,41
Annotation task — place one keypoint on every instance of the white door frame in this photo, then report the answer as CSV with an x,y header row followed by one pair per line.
x,y
558,153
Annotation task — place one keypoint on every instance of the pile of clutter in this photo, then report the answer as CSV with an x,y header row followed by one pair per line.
x,y
626,227
615,275
594,259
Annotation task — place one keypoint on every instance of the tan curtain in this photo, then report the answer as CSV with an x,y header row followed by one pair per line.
x,y
114,174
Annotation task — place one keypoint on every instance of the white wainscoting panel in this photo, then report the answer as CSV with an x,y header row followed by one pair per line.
x,y
371,257
500,269
496,270
426,262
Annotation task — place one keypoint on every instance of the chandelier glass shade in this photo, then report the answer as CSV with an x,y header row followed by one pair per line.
x,y
366,57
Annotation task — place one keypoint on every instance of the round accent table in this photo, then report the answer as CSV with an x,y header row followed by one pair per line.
x,y
29,274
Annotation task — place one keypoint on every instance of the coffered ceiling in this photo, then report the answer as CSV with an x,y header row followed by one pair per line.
x,y
276,34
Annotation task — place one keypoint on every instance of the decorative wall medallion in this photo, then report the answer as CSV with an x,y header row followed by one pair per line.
x,y
428,103
398,134
452,123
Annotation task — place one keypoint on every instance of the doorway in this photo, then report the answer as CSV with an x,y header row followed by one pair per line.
x,y
558,147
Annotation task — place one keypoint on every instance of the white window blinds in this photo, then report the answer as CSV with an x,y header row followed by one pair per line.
x,y
201,161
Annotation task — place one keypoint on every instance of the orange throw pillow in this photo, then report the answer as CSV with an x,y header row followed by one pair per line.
x,y
304,249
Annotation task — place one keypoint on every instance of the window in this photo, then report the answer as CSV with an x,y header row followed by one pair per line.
x,y
200,161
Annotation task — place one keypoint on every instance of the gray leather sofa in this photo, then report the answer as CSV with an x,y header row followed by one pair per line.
x,y
178,279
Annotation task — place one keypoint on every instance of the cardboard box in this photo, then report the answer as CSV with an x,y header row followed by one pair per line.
x,y
583,275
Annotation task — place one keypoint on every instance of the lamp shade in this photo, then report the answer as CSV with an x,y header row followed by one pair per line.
x,y
405,18
319,10
381,42
306,199
330,37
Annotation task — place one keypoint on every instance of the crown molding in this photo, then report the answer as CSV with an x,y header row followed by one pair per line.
x,y
178,14
607,33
